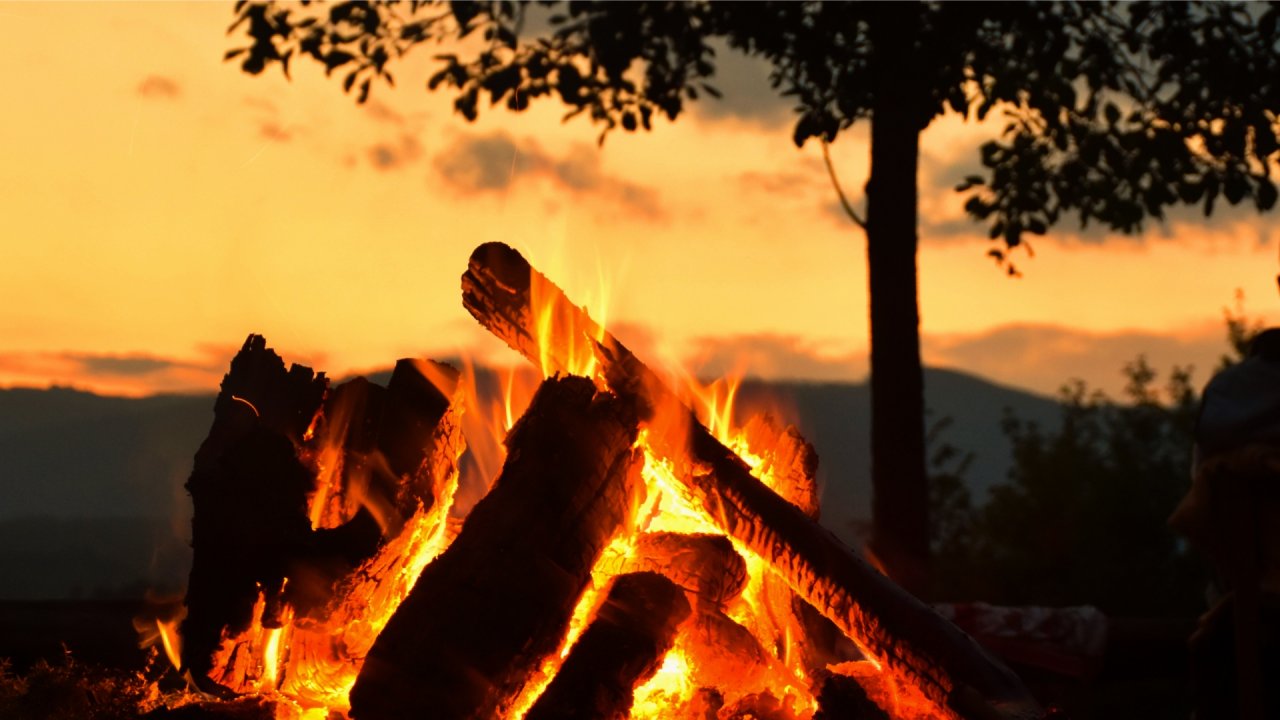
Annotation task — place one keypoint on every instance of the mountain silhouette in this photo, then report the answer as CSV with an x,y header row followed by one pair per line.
x,y
92,503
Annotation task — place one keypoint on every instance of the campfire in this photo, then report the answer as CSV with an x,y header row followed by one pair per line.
x,y
636,555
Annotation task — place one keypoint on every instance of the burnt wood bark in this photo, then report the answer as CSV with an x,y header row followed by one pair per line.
x,y
485,613
621,648
900,631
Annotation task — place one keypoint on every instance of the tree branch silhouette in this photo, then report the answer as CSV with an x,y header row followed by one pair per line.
x,y
835,182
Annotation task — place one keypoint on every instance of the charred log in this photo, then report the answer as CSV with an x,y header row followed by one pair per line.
x,y
460,646
896,628
249,494
385,435
410,436
623,647
257,559
395,448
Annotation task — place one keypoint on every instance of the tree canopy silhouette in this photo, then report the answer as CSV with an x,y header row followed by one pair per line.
x,y
1114,112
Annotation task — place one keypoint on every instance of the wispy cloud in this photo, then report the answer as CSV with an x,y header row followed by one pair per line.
x,y
159,87
272,126
126,374
1045,357
774,356
493,162
382,112
395,155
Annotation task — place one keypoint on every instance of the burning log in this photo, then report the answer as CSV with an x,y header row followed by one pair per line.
x,y
903,634
705,566
407,477
621,648
293,489
724,654
790,457
249,492
382,454
385,437
461,645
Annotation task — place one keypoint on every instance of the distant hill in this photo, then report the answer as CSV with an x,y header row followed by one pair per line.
x,y
92,504
91,498
836,418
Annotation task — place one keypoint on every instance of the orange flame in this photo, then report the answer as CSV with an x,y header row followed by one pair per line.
x,y
564,343
171,640
163,633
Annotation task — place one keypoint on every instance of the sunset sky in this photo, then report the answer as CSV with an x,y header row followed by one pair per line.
x,y
158,205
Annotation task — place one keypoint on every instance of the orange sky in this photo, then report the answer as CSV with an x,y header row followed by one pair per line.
x,y
158,205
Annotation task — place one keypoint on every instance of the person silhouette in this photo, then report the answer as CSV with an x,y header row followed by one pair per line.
x,y
1232,514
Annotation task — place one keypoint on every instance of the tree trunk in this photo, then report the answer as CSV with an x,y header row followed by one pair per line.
x,y
900,493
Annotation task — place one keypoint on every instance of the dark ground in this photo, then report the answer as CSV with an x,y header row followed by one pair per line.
x,y
98,632
1143,675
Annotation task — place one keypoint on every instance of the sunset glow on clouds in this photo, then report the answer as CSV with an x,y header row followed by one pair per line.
x,y
159,205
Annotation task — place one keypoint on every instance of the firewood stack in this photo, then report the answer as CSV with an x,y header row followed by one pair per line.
x,y
553,598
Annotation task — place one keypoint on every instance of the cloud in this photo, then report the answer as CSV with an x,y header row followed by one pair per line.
x,y
794,184
267,118
746,95
807,186
399,145
393,156
123,365
383,113
485,163
160,87
127,373
493,162
273,131
773,357
1045,357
